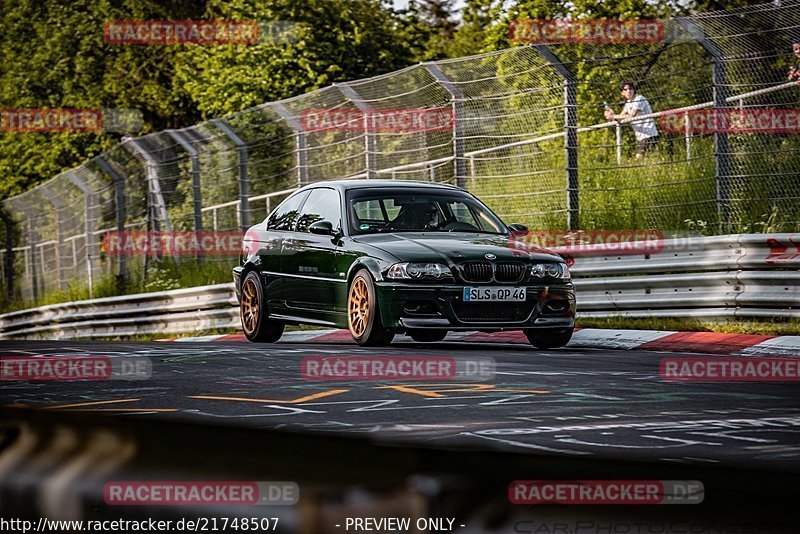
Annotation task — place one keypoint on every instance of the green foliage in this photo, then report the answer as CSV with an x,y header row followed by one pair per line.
x,y
333,40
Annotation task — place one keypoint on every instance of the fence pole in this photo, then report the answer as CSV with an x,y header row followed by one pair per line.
x,y
119,197
58,206
243,215
8,257
369,132
571,129
300,147
457,103
21,205
90,222
719,81
197,195
154,186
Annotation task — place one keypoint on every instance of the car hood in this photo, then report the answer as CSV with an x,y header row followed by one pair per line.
x,y
454,248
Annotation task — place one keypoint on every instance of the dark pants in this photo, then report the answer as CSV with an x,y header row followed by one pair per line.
x,y
645,145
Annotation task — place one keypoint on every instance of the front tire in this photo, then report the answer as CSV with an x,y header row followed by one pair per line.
x,y
549,340
253,311
363,313
427,336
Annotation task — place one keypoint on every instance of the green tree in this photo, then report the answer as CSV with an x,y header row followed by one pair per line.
x,y
331,40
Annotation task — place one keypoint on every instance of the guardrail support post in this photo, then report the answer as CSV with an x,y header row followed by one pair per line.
x,y
457,102
119,199
244,178
90,220
719,81
300,147
58,206
369,132
571,129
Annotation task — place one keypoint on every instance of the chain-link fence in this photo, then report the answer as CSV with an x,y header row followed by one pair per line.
x,y
522,128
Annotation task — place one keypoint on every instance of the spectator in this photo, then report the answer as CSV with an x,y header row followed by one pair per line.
x,y
794,70
645,129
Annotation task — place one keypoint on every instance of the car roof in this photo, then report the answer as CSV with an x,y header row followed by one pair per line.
x,y
365,184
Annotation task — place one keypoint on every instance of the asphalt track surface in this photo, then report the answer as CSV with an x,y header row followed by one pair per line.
x,y
569,402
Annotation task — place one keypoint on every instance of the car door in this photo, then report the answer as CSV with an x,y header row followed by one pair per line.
x,y
279,227
309,260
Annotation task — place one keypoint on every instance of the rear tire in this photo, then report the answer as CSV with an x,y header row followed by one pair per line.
x,y
253,311
363,313
427,336
549,340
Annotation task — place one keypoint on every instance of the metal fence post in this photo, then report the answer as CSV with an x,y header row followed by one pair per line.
x,y
58,206
8,257
369,132
244,179
197,194
299,139
154,186
719,85
21,205
119,197
457,102
90,222
571,128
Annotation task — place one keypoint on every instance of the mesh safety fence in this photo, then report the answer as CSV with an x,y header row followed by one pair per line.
x,y
523,129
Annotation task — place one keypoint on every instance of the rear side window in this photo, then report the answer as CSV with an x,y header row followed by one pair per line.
x,y
285,215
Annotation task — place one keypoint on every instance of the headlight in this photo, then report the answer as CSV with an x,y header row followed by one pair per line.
x,y
415,271
550,270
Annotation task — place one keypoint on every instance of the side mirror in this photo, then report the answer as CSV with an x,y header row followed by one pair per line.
x,y
517,227
321,228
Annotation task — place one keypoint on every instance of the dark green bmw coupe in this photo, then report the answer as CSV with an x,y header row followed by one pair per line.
x,y
384,257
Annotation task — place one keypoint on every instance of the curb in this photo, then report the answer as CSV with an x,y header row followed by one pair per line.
x,y
591,338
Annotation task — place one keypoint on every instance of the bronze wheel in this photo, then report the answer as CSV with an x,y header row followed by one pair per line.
x,y
363,316
358,307
256,324
249,307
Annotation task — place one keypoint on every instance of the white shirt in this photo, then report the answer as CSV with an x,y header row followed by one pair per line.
x,y
644,128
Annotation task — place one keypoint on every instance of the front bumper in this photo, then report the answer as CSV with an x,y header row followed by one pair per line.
x,y
406,306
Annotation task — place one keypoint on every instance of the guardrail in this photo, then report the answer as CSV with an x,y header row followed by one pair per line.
x,y
744,275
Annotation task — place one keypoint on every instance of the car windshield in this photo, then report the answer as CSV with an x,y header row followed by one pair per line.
x,y
393,210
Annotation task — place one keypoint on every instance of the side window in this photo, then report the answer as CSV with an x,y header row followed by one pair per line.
x,y
322,205
285,215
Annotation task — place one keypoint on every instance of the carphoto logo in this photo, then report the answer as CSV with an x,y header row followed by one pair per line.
x,y
730,369
200,32
186,243
586,31
732,121
606,492
396,368
172,493
75,368
75,120
378,120
591,242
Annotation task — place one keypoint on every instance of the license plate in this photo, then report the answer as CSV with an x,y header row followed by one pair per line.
x,y
494,294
